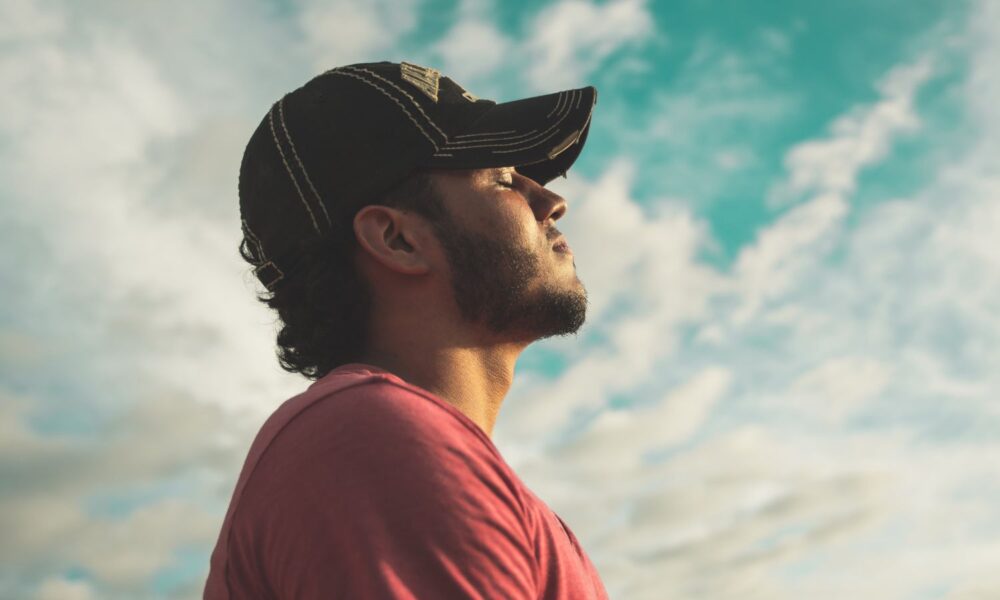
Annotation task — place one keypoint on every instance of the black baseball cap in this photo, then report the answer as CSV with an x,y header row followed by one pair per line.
x,y
353,132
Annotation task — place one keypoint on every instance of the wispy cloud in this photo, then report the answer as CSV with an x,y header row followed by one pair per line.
x,y
343,32
710,119
847,360
858,139
570,38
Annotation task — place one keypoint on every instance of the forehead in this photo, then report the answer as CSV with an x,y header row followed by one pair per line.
x,y
471,176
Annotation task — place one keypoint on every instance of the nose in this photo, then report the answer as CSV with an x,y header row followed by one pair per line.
x,y
547,204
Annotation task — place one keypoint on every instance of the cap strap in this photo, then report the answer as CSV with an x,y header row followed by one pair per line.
x,y
266,271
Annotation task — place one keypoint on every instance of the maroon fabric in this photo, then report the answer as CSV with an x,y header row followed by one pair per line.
x,y
365,486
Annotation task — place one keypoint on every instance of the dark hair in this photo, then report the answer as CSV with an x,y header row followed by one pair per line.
x,y
324,305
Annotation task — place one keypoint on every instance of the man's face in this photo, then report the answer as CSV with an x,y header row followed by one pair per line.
x,y
507,270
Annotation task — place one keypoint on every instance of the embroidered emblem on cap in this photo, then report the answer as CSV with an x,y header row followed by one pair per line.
x,y
424,79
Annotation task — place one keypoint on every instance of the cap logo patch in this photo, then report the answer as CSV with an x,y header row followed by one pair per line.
x,y
424,79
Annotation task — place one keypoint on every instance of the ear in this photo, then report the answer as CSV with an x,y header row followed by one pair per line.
x,y
393,238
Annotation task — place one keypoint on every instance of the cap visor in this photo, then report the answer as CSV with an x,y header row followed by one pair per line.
x,y
542,136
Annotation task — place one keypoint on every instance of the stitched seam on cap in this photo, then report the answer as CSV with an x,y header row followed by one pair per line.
x,y
562,117
274,134
526,147
506,138
465,135
407,94
563,113
559,102
295,153
387,95
501,137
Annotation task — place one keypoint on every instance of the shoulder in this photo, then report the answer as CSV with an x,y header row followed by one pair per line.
x,y
380,479
377,422
381,406
377,442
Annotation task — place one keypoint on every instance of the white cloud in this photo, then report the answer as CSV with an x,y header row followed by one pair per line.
x,y
63,589
134,287
127,553
473,48
164,438
616,439
785,250
639,294
837,387
820,325
710,122
344,32
858,139
569,40
24,19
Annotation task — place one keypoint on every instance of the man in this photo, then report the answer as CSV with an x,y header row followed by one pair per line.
x,y
407,242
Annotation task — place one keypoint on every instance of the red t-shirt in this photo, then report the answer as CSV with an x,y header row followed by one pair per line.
x,y
365,486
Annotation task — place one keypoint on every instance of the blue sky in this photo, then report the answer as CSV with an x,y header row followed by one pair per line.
x,y
785,217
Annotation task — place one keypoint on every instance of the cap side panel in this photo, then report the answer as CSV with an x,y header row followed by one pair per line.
x,y
405,93
383,91
281,151
295,153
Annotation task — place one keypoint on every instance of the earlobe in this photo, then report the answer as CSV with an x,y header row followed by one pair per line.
x,y
385,235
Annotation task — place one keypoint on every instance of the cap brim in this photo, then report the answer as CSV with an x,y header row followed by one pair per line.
x,y
541,136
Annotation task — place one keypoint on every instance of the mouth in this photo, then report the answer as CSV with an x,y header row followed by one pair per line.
x,y
561,246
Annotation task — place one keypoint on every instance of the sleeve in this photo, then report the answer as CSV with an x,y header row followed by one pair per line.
x,y
384,494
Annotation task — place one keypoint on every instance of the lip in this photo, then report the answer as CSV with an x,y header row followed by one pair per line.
x,y
561,246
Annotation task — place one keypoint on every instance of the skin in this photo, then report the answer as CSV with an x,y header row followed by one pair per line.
x,y
455,303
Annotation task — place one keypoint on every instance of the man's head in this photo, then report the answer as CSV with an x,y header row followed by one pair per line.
x,y
375,178
494,242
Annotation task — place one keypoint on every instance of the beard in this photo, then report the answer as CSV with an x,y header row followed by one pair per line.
x,y
492,282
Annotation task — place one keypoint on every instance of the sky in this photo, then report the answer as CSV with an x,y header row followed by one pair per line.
x,y
785,216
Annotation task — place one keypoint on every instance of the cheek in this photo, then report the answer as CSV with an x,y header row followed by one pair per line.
x,y
519,220
508,219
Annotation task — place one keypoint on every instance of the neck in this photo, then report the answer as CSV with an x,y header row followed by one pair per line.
x,y
473,379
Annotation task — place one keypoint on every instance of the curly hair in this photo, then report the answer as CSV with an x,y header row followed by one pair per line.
x,y
324,305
